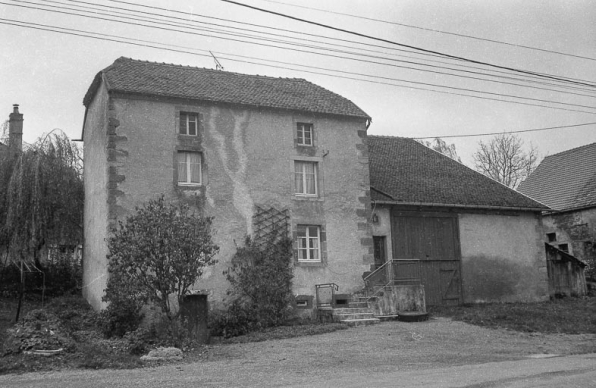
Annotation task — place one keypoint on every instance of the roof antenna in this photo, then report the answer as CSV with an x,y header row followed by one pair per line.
x,y
218,65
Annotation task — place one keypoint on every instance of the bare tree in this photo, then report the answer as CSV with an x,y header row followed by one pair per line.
x,y
505,160
441,146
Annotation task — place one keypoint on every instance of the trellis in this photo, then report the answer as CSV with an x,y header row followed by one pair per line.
x,y
270,224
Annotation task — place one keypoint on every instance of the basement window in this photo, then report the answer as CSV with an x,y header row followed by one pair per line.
x,y
551,237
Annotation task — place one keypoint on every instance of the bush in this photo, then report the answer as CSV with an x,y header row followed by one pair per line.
x,y
261,287
158,251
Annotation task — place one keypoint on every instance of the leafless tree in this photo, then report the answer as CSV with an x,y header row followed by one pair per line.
x,y
505,159
441,146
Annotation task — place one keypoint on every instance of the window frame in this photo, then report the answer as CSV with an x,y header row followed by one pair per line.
x,y
301,132
188,181
303,173
185,117
308,238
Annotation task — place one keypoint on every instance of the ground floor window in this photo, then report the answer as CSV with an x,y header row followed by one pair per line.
x,y
309,243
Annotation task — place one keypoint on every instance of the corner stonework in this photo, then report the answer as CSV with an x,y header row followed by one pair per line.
x,y
115,156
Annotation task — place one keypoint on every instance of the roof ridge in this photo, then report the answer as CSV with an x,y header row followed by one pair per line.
x,y
189,67
571,150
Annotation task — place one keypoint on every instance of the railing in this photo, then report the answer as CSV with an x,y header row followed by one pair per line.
x,y
393,272
325,294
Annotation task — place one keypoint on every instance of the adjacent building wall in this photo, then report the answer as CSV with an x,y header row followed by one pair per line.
x,y
577,230
503,258
95,139
248,160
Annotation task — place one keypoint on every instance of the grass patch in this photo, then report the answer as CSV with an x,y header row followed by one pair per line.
x,y
281,332
565,316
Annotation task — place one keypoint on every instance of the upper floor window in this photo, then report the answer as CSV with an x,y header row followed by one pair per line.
x,y
189,168
305,178
189,123
309,243
305,134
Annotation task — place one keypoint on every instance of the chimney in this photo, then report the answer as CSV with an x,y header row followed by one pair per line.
x,y
15,131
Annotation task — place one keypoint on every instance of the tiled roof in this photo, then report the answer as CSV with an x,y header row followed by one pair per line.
x,y
165,80
566,180
405,171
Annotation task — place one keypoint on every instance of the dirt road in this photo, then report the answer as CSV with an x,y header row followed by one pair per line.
x,y
387,350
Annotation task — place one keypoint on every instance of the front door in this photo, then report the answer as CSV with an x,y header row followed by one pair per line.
x,y
433,239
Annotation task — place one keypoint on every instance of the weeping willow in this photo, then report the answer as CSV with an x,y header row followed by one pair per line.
x,y
41,198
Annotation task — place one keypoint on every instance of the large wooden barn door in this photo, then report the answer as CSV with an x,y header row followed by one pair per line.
x,y
433,239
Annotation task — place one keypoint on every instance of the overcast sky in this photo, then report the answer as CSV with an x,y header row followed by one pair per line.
x,y
48,73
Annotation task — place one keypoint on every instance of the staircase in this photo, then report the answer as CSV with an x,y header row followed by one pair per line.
x,y
351,310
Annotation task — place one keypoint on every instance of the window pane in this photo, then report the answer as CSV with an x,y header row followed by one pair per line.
x,y
299,177
183,126
310,179
192,125
307,135
195,167
300,134
182,174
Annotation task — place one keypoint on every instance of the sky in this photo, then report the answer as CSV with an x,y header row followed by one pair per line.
x,y
47,73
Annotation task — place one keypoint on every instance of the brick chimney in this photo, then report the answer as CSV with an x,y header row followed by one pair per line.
x,y
15,131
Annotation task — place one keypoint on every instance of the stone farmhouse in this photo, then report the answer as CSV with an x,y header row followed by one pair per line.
x,y
262,153
252,151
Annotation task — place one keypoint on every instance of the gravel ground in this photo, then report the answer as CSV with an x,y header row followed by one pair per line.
x,y
362,351
388,346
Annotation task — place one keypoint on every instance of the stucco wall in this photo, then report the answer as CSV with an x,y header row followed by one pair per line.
x,y
96,201
578,230
248,158
503,258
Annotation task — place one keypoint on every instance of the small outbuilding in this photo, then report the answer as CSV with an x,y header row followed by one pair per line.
x,y
467,237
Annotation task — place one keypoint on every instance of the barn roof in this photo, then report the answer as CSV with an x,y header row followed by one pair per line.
x,y
131,76
403,171
566,180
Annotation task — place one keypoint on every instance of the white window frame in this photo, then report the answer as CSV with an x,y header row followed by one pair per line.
x,y
186,118
303,178
301,130
187,180
303,244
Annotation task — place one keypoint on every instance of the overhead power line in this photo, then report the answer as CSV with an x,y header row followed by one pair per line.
x,y
293,48
404,45
114,38
433,30
500,133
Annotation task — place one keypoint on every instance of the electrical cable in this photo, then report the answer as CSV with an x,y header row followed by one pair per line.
x,y
40,27
335,56
433,30
499,133
400,44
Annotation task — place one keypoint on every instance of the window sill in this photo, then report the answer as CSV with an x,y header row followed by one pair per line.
x,y
299,197
190,185
304,263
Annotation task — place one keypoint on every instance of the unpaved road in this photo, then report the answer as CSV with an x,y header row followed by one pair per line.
x,y
435,353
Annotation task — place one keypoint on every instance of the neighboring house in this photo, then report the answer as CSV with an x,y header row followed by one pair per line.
x,y
468,237
566,182
257,153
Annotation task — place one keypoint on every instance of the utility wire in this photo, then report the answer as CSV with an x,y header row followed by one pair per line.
x,y
401,44
368,44
433,30
335,56
87,34
500,133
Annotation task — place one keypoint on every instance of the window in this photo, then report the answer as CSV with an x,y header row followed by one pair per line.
x,y
305,178
564,247
189,123
309,243
551,237
189,168
305,134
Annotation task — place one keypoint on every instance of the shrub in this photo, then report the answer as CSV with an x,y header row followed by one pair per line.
x,y
261,286
158,251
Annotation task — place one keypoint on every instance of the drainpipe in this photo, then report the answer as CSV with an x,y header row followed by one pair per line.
x,y
15,131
